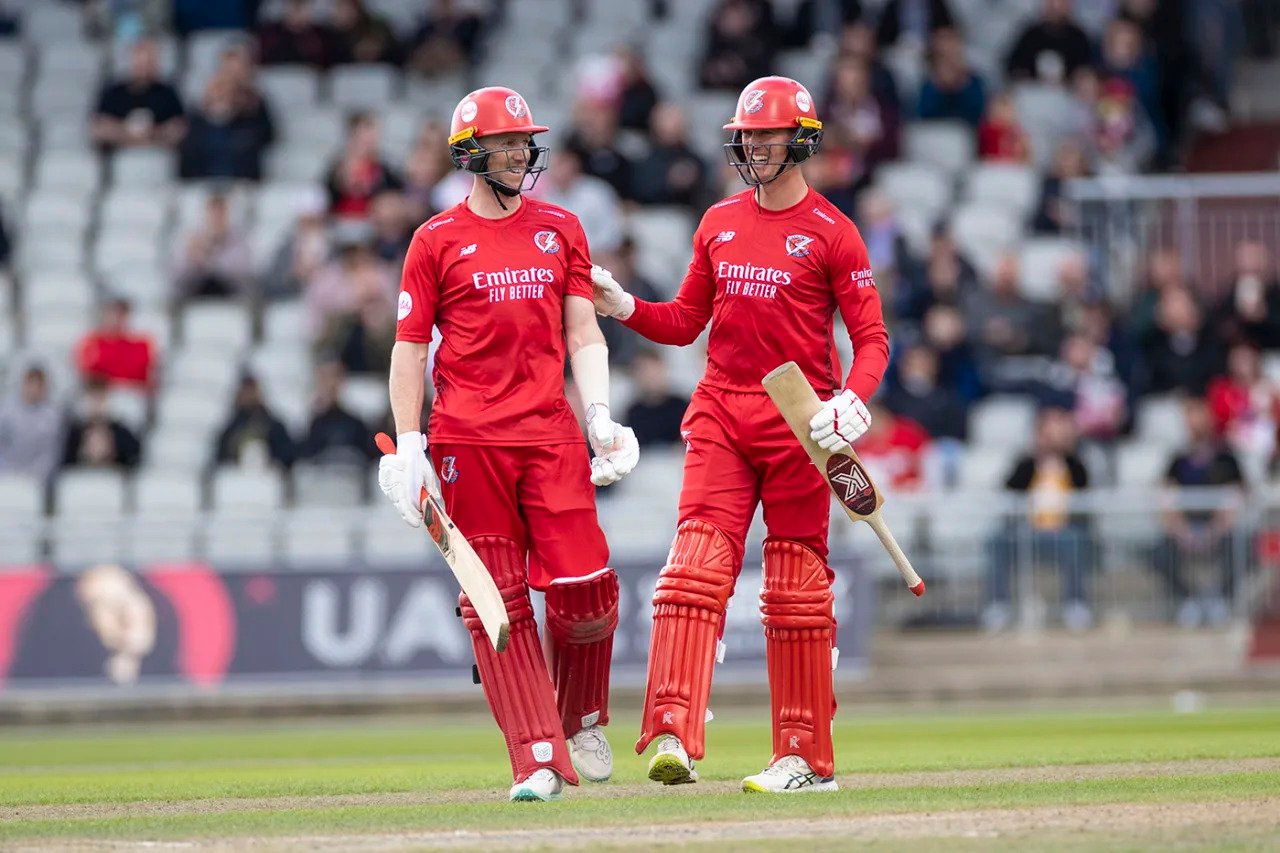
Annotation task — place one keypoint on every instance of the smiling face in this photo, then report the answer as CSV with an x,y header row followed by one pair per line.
x,y
509,157
765,151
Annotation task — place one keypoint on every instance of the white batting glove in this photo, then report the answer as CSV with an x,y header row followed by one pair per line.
x,y
608,296
840,422
616,464
402,477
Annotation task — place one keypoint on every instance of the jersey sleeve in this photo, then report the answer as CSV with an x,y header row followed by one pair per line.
x,y
419,293
859,303
681,321
578,276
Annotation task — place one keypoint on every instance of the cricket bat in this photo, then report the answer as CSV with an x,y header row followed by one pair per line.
x,y
844,472
471,573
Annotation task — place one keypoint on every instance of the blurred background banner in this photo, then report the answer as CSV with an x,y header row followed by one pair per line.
x,y
204,626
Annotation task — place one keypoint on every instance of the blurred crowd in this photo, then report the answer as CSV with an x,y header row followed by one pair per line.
x,y
1139,88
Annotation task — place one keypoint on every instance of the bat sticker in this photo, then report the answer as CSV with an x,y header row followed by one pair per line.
x,y
851,484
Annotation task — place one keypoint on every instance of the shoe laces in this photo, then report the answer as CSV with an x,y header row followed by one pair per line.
x,y
789,764
670,743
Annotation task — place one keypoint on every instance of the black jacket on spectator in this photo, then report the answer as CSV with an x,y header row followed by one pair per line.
x,y
1068,41
336,436
889,26
230,149
277,45
252,424
1264,332
5,248
1186,365
606,163
637,103
1024,473
121,100
652,177
1218,467
939,410
657,422
125,449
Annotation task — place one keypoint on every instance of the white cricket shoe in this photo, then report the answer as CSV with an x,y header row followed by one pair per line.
x,y
672,764
591,755
542,786
790,774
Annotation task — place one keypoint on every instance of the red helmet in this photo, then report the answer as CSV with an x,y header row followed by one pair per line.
x,y
770,103
487,112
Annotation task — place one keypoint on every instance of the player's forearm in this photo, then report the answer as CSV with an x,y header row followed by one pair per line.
x,y
665,323
870,360
407,385
588,354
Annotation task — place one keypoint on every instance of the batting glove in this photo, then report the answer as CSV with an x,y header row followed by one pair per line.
x,y
403,476
608,296
840,422
615,447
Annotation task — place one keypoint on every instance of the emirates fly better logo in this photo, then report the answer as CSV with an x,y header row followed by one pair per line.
x,y
547,242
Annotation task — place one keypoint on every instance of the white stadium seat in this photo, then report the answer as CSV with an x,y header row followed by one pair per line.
x,y
1008,185
90,493
1002,422
362,86
947,145
237,491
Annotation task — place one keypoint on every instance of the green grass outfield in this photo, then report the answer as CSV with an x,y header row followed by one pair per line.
x,y
327,778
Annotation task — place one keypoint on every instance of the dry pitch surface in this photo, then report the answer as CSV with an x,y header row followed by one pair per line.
x,y
992,782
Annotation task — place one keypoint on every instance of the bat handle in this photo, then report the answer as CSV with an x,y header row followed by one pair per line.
x,y
900,560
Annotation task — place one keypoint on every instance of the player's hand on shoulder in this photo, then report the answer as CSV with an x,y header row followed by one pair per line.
x,y
840,422
615,447
608,297
402,477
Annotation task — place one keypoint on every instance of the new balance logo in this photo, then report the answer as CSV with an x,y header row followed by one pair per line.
x,y
725,236
467,250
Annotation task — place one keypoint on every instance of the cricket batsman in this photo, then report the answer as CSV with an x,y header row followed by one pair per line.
x,y
771,265
507,279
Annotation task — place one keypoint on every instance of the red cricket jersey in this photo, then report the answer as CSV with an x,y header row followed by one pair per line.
x,y
496,289
770,282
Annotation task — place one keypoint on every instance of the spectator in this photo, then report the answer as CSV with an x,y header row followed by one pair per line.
x,y
1054,213
362,337
829,171
885,241
1181,354
334,436
1244,405
304,251
1210,535
1051,49
217,260
657,411
1001,138
253,437
392,228
140,110
1004,321
1095,394
589,197
361,36
951,90
672,172
1163,26
97,440
115,353
31,428
192,15
1251,307
893,448
426,168
1163,272
623,343
858,121
1075,293
229,133
946,277
916,20
10,23
917,395
1124,140
1048,478
637,95
1125,58
448,40
360,173
296,39
333,291
594,139
946,333
858,39
740,44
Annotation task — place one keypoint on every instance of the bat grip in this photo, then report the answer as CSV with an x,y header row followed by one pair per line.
x,y
895,551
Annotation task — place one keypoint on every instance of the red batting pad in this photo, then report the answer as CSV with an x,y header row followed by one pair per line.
x,y
515,682
582,614
688,608
796,608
